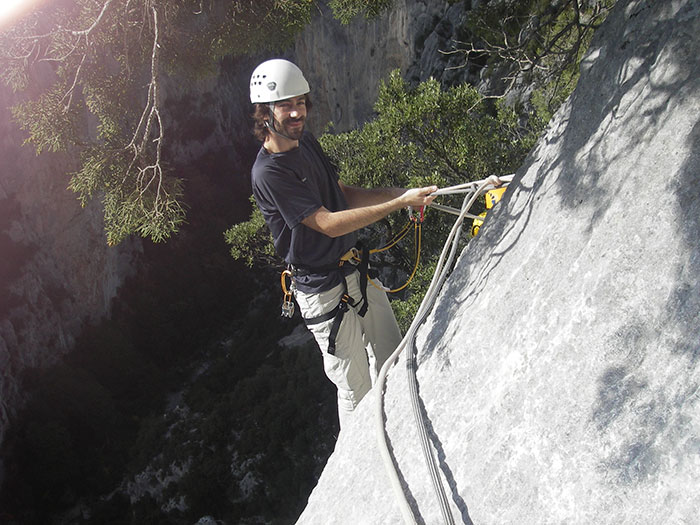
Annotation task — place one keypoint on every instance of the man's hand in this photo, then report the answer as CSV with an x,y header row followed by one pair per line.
x,y
494,180
417,197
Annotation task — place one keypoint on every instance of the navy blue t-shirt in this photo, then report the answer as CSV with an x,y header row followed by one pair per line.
x,y
289,187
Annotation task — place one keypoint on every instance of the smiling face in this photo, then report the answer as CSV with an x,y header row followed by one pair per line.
x,y
290,116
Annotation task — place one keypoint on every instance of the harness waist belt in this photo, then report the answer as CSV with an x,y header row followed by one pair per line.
x,y
338,312
352,256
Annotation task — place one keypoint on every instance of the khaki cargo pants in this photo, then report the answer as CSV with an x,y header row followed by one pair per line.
x,y
363,344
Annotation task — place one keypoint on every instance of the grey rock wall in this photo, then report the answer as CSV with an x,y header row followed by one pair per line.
x,y
57,271
560,370
345,64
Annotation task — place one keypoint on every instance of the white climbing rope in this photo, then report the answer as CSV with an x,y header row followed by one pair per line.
x,y
472,190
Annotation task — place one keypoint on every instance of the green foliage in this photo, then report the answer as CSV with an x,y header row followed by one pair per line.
x,y
346,10
425,134
52,124
405,309
251,241
538,43
154,211
110,58
428,135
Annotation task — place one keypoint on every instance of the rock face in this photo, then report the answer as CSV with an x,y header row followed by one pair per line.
x,y
345,64
560,369
57,271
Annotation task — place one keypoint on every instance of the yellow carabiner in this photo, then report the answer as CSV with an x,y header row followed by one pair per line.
x,y
287,304
286,273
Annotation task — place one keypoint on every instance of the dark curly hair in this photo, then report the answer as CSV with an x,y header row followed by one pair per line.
x,y
261,112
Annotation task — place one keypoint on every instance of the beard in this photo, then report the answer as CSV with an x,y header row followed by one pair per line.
x,y
291,128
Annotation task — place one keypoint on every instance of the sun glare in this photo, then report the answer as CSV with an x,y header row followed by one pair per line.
x,y
10,9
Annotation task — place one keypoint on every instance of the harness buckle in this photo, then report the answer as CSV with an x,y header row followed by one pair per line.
x,y
352,256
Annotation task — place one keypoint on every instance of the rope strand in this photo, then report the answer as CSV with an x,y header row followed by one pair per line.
x,y
473,190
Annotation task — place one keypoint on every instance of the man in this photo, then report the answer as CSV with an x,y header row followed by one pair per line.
x,y
313,218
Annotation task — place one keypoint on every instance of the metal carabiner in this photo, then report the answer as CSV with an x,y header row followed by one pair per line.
x,y
287,303
420,214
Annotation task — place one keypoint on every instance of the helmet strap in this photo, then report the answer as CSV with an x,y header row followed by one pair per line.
x,y
270,124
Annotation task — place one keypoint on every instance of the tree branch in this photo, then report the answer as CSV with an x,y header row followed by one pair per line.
x,y
539,47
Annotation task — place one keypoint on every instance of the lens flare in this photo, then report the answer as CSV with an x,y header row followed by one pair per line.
x,y
10,10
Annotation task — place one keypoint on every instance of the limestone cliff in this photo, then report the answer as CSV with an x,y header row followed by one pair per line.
x,y
57,271
345,64
560,370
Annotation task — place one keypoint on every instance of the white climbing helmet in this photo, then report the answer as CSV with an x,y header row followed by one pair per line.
x,y
276,80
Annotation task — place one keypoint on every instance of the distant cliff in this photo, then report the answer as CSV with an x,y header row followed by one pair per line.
x,y
344,64
559,373
56,270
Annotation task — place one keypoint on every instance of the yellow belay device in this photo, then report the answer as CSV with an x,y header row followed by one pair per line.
x,y
492,197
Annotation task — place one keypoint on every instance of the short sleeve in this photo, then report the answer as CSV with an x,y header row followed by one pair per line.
x,y
285,192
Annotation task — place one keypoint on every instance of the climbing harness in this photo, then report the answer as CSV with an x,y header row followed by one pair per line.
x,y
355,256
359,258
472,191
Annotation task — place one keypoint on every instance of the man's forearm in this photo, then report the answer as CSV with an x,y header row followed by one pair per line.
x,y
383,202
360,197
335,224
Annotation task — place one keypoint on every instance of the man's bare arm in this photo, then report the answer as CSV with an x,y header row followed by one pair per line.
x,y
373,205
359,197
